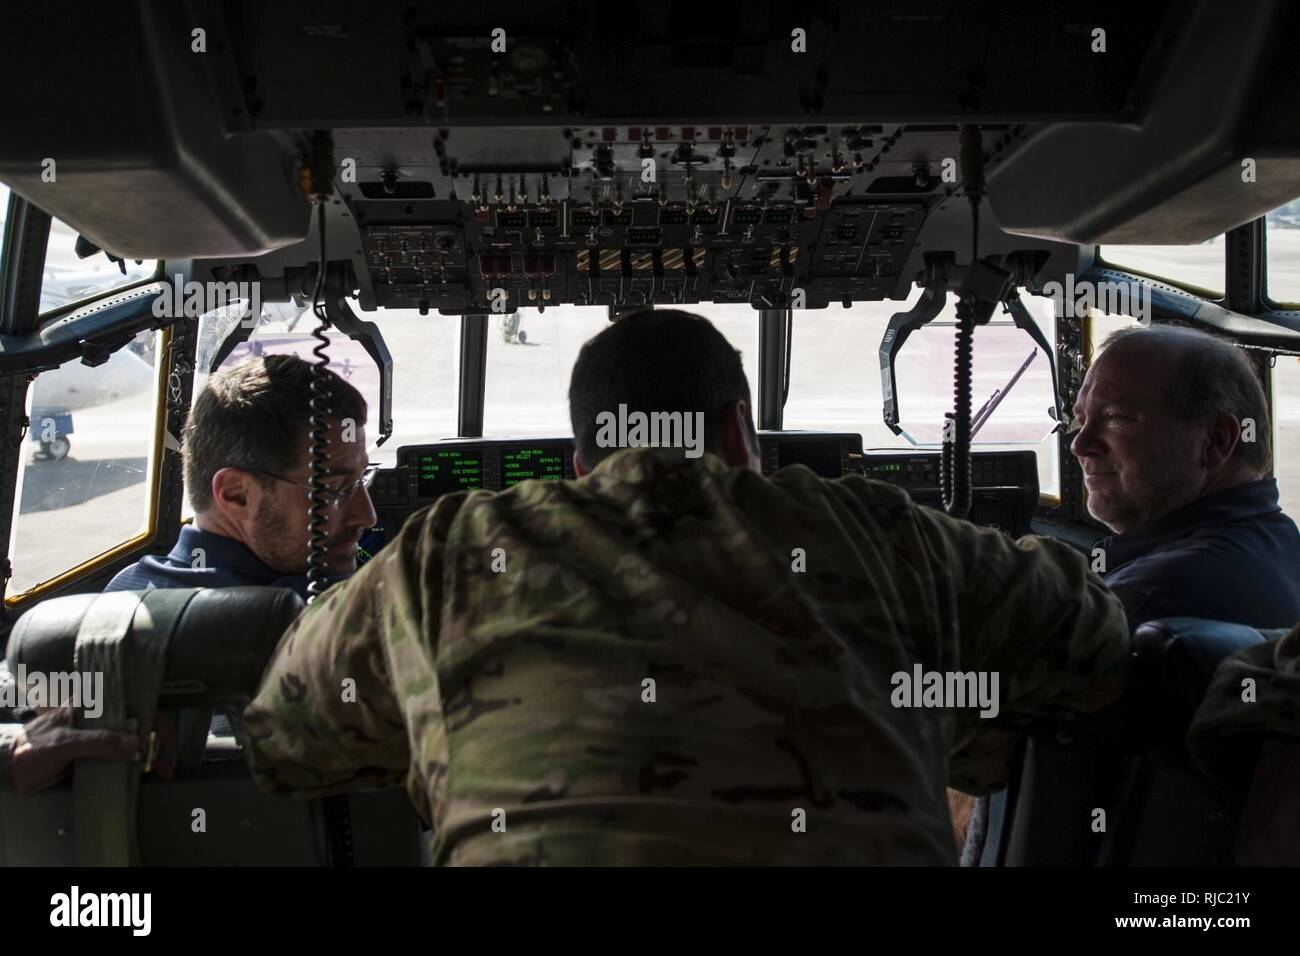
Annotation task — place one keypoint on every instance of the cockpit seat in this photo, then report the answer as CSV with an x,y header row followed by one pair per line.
x,y
1120,789
207,649
1169,813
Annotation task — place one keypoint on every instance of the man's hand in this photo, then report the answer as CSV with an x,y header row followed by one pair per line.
x,y
44,751
960,807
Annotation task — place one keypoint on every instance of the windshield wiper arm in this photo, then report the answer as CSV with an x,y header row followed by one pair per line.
x,y
989,407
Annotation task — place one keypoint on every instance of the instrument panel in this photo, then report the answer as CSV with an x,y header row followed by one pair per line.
x,y
645,214
1004,484
641,253
1004,494
425,473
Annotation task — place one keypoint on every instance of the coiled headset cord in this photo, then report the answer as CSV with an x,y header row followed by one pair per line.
x,y
318,183
954,461
318,424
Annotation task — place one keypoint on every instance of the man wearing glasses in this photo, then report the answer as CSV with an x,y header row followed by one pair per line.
x,y
247,455
246,450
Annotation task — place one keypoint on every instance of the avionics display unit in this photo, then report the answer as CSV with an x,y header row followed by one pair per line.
x,y
1004,493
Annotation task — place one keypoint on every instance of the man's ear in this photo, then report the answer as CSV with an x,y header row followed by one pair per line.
x,y
1222,436
233,494
738,441
579,467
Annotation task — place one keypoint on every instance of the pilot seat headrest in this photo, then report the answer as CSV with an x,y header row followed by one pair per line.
x,y
220,638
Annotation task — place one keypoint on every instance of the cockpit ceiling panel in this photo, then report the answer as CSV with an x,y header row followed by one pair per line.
x,y
175,130
1218,145
677,61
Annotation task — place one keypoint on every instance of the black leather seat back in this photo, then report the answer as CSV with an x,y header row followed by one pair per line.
x,y
1173,661
224,637
1130,762
221,643
1168,813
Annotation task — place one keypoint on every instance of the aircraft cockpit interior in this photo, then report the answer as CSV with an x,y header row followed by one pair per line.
x,y
917,225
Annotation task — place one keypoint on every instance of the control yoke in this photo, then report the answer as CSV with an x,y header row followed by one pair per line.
x,y
942,276
346,321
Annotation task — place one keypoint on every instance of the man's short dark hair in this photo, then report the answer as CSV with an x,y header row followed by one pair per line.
x,y
1210,377
254,416
656,360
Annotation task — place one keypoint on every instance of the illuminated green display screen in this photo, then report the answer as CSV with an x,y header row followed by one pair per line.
x,y
525,463
442,472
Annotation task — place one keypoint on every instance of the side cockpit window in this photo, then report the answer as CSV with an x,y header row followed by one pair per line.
x,y
86,472
1286,435
71,277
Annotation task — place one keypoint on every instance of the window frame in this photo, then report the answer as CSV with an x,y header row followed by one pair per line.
x,y
159,275
1267,302
1275,420
138,542
1209,295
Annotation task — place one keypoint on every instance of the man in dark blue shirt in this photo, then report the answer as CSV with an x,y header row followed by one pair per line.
x,y
246,453
1175,444
225,562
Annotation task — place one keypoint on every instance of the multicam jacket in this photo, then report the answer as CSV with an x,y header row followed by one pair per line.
x,y
670,661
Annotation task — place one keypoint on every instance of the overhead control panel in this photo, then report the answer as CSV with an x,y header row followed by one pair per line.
x,y
495,220
202,151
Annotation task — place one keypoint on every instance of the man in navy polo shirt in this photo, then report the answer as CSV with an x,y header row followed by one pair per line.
x,y
246,452
1175,444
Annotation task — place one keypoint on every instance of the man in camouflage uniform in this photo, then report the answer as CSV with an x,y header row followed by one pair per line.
x,y
676,660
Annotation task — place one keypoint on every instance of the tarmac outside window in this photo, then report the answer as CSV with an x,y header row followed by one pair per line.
x,y
83,478
835,380
1282,242
1201,265
530,357
1286,431
69,278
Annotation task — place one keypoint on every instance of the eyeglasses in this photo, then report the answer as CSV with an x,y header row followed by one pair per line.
x,y
336,498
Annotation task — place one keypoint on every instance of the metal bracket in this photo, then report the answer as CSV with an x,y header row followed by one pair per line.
x,y
1025,322
341,317
234,338
903,324
367,334
940,271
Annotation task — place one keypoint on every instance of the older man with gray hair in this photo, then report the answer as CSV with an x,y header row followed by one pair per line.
x,y
1175,444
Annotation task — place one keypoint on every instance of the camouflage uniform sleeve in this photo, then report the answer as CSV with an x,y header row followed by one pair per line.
x,y
1033,613
327,718
1236,717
